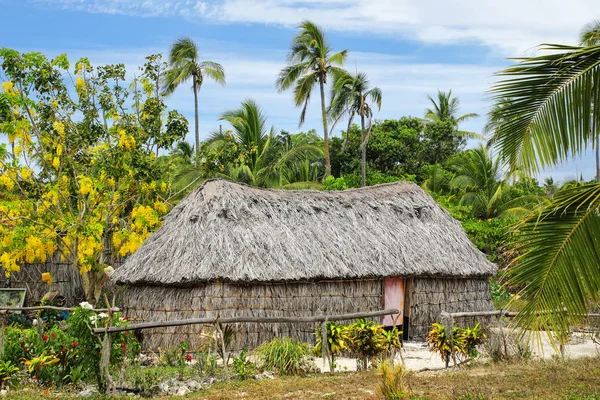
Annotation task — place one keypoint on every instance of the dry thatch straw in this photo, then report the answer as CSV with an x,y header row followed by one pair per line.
x,y
229,232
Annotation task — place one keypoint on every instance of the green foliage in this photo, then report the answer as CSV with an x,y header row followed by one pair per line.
x,y
7,371
285,356
500,296
332,183
75,375
243,367
462,346
366,339
337,339
206,363
18,320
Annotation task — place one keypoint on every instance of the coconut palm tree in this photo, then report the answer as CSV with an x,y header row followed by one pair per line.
x,y
550,118
184,66
479,179
446,109
310,62
351,95
266,164
590,36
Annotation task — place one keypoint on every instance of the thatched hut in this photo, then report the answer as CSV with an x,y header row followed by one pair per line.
x,y
233,250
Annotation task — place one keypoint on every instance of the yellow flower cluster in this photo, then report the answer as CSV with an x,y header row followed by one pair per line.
x,y
87,249
125,140
35,250
25,173
9,263
56,163
6,181
7,87
79,83
59,127
86,185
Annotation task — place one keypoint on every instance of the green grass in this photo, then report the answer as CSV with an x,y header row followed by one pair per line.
x,y
551,379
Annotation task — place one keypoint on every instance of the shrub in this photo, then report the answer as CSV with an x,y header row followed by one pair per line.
x,y
336,340
366,339
392,385
7,371
243,367
18,320
285,356
463,345
206,363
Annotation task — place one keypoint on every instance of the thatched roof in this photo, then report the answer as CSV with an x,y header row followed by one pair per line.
x,y
226,231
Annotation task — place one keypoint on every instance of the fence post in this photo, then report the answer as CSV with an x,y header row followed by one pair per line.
x,y
325,345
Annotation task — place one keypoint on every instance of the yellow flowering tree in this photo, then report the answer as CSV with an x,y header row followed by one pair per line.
x,y
80,174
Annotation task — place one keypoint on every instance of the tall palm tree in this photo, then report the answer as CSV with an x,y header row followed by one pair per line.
x,y
550,118
446,109
590,36
185,65
310,62
351,95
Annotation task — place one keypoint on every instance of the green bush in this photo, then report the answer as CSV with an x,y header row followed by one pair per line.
x,y
243,367
366,339
463,345
284,356
7,371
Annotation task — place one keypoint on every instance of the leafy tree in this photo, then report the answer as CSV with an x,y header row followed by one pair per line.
x,y
351,95
550,118
310,62
84,180
185,65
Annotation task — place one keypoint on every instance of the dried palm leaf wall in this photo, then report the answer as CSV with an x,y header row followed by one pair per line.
x,y
155,303
431,296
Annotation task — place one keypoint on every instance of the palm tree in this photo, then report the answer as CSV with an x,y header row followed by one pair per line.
x,y
185,65
350,95
479,178
550,118
184,151
446,109
266,165
310,62
590,36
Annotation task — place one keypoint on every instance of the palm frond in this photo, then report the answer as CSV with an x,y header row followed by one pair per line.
x,y
558,265
213,70
547,119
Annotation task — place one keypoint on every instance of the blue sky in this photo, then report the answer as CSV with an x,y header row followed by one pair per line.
x,y
408,48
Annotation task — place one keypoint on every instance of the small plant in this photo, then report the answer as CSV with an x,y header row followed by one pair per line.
x,y
143,379
7,371
392,342
392,384
243,367
439,342
285,356
206,363
336,341
183,358
75,375
469,339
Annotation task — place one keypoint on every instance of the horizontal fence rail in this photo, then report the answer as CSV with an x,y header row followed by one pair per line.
x,y
53,308
233,320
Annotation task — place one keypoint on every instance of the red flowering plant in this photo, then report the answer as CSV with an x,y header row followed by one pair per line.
x,y
183,358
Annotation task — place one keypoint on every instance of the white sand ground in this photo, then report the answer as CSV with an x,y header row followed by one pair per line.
x,y
417,356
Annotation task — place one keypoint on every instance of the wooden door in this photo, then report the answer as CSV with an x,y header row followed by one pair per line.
x,y
394,298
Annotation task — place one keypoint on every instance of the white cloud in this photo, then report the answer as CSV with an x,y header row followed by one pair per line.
x,y
508,26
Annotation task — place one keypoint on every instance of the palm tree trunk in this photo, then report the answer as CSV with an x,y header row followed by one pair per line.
x,y
363,145
350,118
325,131
196,128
